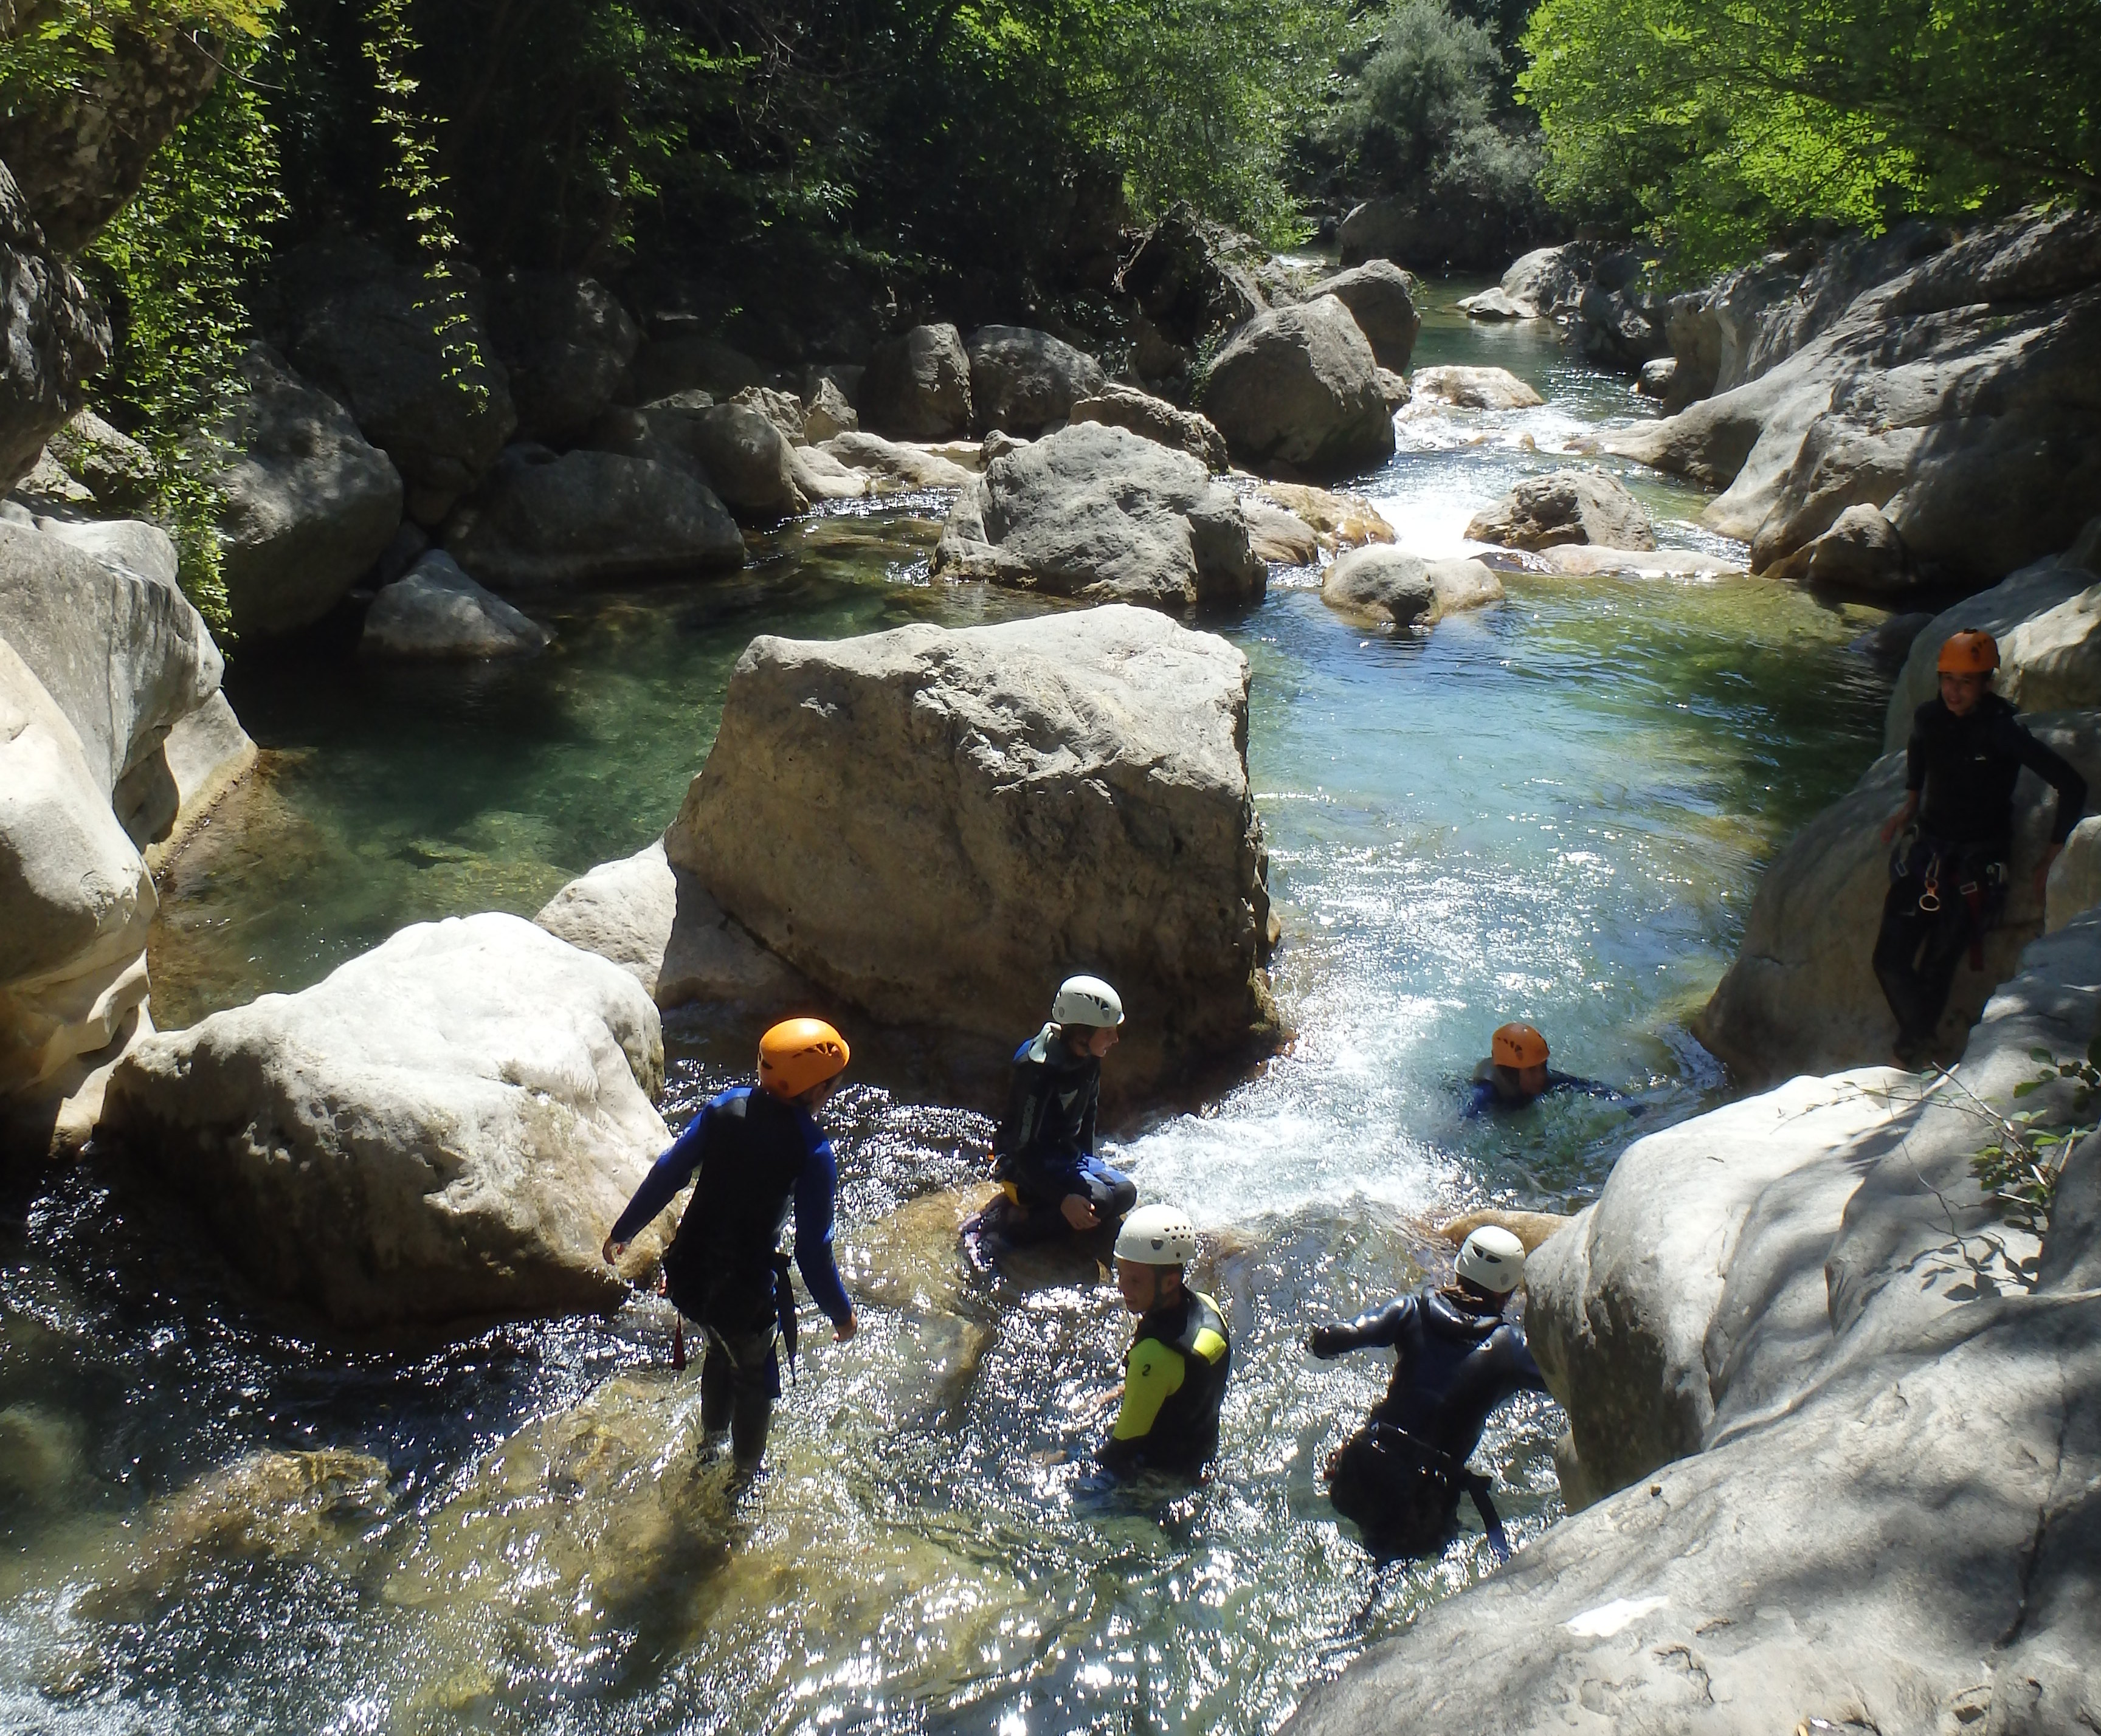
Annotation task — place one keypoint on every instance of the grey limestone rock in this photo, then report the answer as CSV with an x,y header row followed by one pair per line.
x,y
435,612
1025,381
962,805
1299,387
1563,506
917,385
1381,300
1389,586
1121,406
1476,388
566,341
1100,514
53,336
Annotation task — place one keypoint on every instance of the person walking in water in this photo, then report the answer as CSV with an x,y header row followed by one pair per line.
x,y
1949,873
1456,1359
1516,1075
1051,1182
756,1151
1181,1354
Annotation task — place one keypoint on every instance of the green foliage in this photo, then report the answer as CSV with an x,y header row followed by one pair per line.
x,y
1718,123
2019,1171
66,42
175,267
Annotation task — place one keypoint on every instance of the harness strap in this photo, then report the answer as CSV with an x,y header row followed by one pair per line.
x,y
1972,895
1477,1487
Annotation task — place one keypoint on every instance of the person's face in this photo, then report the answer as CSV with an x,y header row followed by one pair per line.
x,y
817,1096
1140,1284
1092,1040
1531,1080
1960,693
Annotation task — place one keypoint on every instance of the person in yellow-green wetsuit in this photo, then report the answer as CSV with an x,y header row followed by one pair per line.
x,y
1174,1377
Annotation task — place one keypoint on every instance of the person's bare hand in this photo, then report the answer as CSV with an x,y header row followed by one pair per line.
x,y
1079,1211
842,1333
613,1251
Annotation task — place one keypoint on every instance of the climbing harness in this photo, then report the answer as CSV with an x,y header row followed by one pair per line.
x,y
1401,1490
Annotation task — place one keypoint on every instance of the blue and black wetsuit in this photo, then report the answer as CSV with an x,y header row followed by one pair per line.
x,y
1044,1151
1947,877
1483,1098
754,1155
1400,1477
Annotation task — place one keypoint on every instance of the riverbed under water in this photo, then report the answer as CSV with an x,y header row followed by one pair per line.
x,y
1556,808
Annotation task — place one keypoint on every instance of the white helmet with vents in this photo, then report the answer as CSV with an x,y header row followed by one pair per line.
x,y
1493,1259
1086,1001
1157,1235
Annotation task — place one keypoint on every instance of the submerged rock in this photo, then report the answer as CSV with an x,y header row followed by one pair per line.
x,y
1156,419
1950,396
586,518
309,505
443,1128
1298,386
970,812
1784,1336
435,610
1100,514
1802,996
1476,388
1025,380
1542,512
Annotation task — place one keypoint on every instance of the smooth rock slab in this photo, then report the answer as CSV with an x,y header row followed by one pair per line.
x,y
1103,515
972,814
445,1127
1542,512
435,610
895,466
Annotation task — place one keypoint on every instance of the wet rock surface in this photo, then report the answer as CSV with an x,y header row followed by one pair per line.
x,y
443,1128
963,804
1390,586
1100,514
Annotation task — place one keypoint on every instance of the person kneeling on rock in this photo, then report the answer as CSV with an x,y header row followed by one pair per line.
x,y
1174,1377
1456,1358
1516,1074
1051,1183
1948,874
756,1151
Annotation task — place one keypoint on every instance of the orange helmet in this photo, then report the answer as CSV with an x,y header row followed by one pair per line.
x,y
800,1052
1970,652
1518,1045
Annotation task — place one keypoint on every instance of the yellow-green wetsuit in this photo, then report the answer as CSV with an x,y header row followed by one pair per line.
x,y
1175,1382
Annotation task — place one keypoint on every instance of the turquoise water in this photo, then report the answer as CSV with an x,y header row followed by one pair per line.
x,y
1555,809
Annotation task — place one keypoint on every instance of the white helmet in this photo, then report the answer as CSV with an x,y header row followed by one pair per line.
x,y
1493,1259
1086,1001
1157,1235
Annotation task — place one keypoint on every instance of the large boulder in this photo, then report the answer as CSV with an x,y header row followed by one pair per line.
x,y
2047,620
1795,1339
734,450
589,518
1381,300
1340,521
1154,419
1025,380
1299,387
659,924
309,505
441,1129
1802,996
566,343
1956,396
973,814
917,385
435,612
53,336
1543,512
1476,388
1387,586
895,466
118,471
1189,281
1099,514
367,330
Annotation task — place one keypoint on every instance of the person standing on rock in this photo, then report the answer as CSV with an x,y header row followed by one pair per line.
x,y
1948,873
1180,1357
1051,1183
1516,1074
757,1152
1456,1359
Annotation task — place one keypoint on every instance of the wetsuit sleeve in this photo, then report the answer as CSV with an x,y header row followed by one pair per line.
x,y
1586,1087
1480,1097
1523,1368
1154,1373
1379,1330
2057,771
666,1176
1023,1108
816,1191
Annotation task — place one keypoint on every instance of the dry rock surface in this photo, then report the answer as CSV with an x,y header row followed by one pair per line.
x,y
435,610
55,337
1100,514
1781,1358
1026,381
1476,388
1123,406
1298,387
1381,298
442,1128
974,813
1563,507
917,386
1389,586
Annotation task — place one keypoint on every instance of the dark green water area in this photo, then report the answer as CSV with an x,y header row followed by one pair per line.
x,y
1557,809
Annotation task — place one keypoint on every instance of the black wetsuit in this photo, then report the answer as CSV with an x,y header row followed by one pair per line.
x,y
1949,875
1400,1477
1044,1151
1483,1098
755,1154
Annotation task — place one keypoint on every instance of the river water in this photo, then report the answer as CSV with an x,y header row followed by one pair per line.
x,y
1555,810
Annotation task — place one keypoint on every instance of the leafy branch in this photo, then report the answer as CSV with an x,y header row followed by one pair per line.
x,y
2021,1169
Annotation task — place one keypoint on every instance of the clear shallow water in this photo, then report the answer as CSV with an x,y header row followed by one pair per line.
x,y
1554,808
